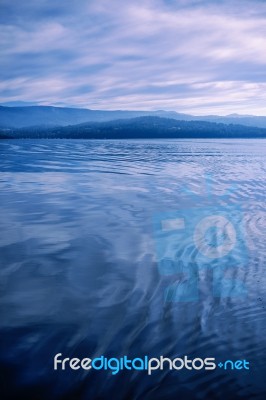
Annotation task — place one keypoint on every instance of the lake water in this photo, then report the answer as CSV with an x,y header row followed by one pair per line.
x,y
86,271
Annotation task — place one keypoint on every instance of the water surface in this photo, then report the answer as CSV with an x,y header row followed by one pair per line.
x,y
80,273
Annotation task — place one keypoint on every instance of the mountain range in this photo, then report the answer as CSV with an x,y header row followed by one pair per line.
x,y
60,122
20,117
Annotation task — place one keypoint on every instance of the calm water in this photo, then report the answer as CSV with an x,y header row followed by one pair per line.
x,y
81,270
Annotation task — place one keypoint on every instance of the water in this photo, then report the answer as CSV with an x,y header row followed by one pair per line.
x,y
80,267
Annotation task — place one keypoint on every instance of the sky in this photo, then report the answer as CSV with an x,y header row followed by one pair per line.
x,y
191,56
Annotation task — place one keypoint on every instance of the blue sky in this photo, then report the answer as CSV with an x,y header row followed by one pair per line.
x,y
200,57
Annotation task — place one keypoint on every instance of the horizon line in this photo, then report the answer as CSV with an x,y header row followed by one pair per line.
x,y
32,104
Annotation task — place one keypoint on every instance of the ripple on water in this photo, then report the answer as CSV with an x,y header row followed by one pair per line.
x,y
79,271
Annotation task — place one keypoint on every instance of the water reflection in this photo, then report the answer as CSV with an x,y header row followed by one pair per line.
x,y
79,271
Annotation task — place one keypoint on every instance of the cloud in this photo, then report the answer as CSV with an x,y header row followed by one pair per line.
x,y
190,56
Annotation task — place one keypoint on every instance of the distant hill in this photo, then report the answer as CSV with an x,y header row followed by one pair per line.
x,y
246,120
139,128
46,116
